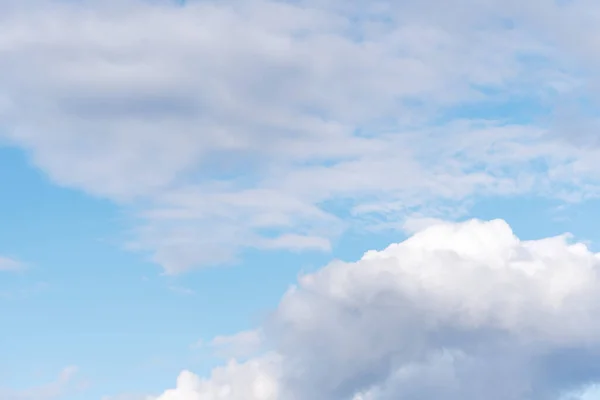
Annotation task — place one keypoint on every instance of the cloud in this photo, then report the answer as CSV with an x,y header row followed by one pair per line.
x,y
457,311
9,264
414,224
55,390
254,379
262,124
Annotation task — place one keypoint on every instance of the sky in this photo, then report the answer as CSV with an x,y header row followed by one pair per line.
x,y
299,200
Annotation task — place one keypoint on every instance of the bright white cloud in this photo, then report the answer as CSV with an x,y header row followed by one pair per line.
x,y
255,379
258,123
457,311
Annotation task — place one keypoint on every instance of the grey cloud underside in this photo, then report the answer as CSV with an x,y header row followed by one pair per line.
x,y
127,106
199,110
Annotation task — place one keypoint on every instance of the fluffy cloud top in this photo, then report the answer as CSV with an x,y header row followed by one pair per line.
x,y
251,380
260,123
457,311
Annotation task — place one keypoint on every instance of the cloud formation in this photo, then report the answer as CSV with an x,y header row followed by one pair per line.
x,y
263,123
457,311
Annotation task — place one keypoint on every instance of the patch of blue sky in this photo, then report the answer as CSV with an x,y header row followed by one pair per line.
x,y
94,305
536,217
498,107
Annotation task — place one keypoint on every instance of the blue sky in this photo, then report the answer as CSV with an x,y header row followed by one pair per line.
x,y
83,300
180,181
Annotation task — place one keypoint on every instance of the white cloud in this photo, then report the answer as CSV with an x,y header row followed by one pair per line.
x,y
258,123
255,379
457,311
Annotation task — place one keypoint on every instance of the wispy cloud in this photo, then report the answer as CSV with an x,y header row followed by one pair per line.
x,y
378,111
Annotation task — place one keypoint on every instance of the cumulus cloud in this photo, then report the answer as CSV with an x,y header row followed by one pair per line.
x,y
261,123
457,311
255,379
